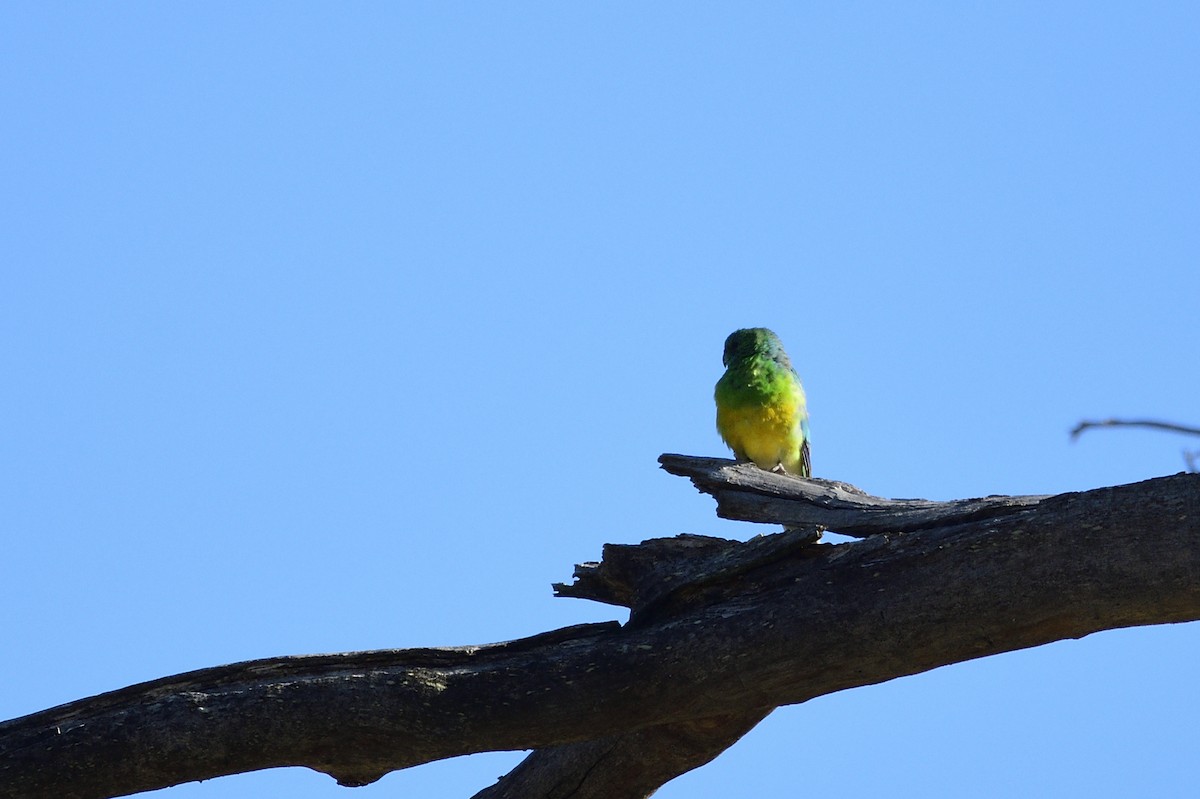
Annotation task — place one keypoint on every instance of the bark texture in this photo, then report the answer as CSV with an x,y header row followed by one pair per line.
x,y
720,633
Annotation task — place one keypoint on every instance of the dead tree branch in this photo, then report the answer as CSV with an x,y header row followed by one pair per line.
x,y
720,633
1189,456
1153,424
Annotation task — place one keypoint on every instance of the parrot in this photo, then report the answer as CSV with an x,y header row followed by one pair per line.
x,y
761,409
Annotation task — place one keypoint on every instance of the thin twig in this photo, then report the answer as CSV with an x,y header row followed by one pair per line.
x,y
1157,425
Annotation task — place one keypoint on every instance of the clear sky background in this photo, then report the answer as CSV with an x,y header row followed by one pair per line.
x,y
346,326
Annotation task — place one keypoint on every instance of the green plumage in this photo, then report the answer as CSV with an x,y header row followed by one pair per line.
x,y
761,409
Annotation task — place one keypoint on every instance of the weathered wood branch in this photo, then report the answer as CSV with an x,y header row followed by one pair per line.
x,y
630,765
748,494
720,634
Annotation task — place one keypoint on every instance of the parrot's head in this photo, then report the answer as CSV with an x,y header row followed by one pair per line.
x,y
751,341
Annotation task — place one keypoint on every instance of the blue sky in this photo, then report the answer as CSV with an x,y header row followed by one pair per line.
x,y
346,326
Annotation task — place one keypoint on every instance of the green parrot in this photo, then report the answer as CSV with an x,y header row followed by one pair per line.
x,y
761,410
